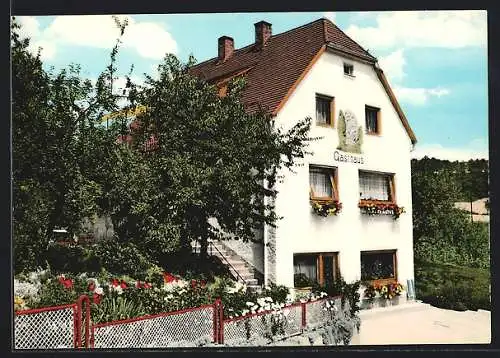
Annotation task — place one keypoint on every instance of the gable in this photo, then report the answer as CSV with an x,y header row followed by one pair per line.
x,y
274,71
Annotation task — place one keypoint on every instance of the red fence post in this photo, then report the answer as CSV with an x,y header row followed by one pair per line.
x,y
303,305
221,321
78,327
216,320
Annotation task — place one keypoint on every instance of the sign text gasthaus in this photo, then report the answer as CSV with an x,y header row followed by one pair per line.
x,y
347,157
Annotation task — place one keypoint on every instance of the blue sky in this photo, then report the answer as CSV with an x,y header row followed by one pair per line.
x,y
436,61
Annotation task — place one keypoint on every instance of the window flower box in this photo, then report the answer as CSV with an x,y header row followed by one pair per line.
x,y
326,208
373,207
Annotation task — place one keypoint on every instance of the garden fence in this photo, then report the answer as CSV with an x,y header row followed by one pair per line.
x,y
287,322
188,326
56,327
70,327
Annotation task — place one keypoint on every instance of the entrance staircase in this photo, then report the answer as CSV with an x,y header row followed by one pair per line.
x,y
241,270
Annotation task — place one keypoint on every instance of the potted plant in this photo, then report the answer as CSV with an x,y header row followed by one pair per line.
x,y
369,295
384,294
395,289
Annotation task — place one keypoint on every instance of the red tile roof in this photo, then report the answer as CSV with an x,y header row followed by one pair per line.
x,y
282,60
273,72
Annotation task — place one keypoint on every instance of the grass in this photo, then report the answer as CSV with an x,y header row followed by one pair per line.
x,y
452,287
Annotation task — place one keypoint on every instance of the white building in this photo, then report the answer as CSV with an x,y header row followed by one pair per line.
x,y
317,71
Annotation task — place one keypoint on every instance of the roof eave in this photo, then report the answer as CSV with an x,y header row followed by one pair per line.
x,y
331,47
395,103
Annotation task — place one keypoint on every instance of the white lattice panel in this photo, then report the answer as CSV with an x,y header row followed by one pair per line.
x,y
287,322
159,331
52,329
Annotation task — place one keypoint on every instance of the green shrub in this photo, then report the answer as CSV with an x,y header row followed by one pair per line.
x,y
72,258
452,287
122,258
348,291
277,292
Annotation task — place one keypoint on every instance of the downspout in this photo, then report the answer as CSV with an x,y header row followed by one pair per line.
x,y
265,235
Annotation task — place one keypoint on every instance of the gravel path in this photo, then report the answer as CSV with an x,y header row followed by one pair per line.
x,y
419,323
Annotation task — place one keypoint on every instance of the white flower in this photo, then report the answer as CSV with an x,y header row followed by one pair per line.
x,y
25,289
244,312
323,294
118,289
249,304
99,290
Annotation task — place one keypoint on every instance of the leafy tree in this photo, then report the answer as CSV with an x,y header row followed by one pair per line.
x,y
57,149
212,157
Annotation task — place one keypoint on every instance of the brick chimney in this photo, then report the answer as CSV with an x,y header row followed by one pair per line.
x,y
263,32
226,48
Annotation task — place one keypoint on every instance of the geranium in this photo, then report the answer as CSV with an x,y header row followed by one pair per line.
x,y
91,286
96,298
169,278
66,282
381,208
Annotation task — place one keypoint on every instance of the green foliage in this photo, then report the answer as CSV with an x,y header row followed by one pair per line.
x,y
348,291
212,156
57,157
441,232
72,258
277,292
452,287
115,308
122,258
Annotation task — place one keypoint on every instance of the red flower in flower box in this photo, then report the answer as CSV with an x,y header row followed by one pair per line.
x,y
115,282
123,285
193,283
203,283
91,287
96,298
147,285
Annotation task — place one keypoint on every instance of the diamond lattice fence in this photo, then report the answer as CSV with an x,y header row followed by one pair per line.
x,y
45,329
171,329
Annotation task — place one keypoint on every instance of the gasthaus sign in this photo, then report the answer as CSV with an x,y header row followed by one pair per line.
x,y
347,157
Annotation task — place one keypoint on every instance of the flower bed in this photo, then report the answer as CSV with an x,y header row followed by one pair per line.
x,y
369,207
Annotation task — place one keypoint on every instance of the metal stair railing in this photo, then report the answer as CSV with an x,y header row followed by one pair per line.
x,y
211,247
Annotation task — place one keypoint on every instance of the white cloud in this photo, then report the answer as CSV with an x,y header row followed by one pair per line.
x,y
471,151
449,29
418,96
393,65
149,39
330,15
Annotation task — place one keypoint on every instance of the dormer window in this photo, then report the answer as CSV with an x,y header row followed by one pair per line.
x,y
348,69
